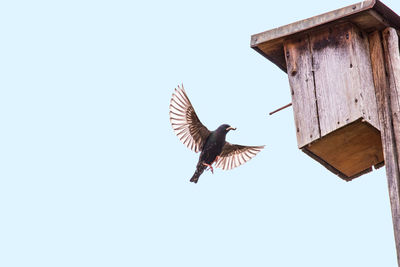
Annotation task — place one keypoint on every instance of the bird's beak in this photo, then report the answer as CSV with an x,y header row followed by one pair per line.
x,y
230,128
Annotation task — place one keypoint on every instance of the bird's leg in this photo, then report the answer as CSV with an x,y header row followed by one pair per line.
x,y
209,166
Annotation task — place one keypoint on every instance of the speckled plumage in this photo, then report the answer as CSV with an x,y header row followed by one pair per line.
x,y
211,149
212,144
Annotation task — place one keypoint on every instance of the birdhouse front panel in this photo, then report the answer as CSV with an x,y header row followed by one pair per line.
x,y
301,79
343,77
333,97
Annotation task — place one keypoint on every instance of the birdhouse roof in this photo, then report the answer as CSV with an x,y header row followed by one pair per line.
x,y
368,15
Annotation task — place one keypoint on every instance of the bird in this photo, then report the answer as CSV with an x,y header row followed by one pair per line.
x,y
212,144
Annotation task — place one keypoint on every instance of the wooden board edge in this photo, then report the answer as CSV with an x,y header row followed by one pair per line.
x,y
333,169
325,164
389,16
276,62
379,165
309,23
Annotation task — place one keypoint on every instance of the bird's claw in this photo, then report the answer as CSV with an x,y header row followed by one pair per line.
x,y
209,167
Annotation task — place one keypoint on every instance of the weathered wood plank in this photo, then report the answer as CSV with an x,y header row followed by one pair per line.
x,y
367,15
380,59
299,66
310,23
381,84
333,79
344,91
362,76
392,55
391,51
352,149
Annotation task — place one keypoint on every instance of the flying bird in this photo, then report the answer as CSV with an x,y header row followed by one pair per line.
x,y
212,144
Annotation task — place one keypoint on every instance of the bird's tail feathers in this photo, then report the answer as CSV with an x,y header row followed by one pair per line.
x,y
199,170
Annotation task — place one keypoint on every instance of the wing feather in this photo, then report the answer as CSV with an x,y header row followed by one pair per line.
x,y
233,155
185,122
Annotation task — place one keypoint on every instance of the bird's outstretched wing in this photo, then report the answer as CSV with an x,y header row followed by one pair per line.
x,y
185,122
233,156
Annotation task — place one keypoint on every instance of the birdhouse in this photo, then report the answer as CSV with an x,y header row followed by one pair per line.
x,y
328,63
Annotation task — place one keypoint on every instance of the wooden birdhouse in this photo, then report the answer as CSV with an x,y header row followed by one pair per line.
x,y
328,62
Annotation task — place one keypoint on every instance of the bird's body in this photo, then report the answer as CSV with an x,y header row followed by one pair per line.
x,y
212,144
211,150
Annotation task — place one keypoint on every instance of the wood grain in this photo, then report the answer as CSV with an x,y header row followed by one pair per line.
x,y
391,48
362,75
392,59
301,79
351,150
342,73
367,15
384,64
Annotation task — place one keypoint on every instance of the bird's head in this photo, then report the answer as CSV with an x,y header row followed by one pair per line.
x,y
225,128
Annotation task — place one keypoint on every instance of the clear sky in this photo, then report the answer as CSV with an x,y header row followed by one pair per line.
x,y
91,173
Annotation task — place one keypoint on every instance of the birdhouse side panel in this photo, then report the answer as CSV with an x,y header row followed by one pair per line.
x,y
340,87
301,80
363,78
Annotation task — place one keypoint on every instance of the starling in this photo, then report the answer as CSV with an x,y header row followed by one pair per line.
x,y
212,144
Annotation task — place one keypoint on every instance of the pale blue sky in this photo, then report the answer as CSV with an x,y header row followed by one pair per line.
x,y
91,173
